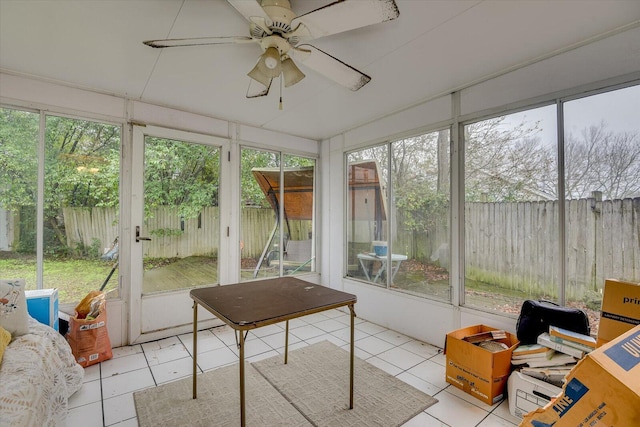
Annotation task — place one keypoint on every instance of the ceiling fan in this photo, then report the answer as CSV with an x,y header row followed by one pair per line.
x,y
282,36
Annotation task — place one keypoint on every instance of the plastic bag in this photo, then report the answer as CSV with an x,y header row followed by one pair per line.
x,y
88,336
90,305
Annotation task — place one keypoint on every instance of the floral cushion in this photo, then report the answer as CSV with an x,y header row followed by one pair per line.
x,y
14,316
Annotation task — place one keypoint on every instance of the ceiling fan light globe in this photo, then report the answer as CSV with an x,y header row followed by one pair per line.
x,y
270,62
291,73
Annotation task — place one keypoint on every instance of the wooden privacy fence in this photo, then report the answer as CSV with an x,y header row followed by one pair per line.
x,y
510,244
88,225
516,244
257,225
172,236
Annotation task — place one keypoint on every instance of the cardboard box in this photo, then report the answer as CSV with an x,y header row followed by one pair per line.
x,y
527,394
479,372
42,305
620,309
602,390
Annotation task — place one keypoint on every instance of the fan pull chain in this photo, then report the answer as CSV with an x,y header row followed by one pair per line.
x,y
280,106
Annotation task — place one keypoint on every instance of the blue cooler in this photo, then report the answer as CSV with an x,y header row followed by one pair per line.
x,y
42,305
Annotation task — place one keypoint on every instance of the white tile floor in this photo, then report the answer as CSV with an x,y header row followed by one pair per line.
x,y
106,397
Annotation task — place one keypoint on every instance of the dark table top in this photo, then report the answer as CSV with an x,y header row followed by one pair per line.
x,y
259,303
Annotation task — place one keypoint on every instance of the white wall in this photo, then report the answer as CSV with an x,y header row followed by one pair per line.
x,y
605,62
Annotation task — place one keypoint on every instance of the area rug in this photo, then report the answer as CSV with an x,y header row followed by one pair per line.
x,y
218,402
312,389
316,381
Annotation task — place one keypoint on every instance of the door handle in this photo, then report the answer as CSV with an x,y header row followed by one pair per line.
x,y
138,237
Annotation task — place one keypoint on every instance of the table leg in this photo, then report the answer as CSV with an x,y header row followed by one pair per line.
x,y
383,266
241,348
365,269
286,342
394,270
351,368
195,346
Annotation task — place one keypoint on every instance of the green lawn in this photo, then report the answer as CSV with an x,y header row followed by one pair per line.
x,y
74,278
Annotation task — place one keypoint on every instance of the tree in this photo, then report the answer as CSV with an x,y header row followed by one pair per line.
x,y
19,173
182,175
508,162
418,164
18,159
601,160
252,158
82,169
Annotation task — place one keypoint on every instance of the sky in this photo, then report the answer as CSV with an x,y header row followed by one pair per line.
x,y
619,109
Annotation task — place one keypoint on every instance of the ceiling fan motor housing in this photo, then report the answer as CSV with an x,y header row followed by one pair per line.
x,y
275,41
280,13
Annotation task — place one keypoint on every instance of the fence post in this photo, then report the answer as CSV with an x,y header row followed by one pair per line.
x,y
596,209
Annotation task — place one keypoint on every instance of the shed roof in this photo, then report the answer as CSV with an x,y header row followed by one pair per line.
x,y
298,190
364,177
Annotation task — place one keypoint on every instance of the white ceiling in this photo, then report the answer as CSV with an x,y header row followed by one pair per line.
x,y
433,48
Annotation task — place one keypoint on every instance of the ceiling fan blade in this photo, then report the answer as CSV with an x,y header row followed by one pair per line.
x,y
199,41
249,9
346,15
330,67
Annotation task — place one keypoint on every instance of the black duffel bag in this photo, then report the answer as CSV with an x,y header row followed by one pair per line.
x,y
536,317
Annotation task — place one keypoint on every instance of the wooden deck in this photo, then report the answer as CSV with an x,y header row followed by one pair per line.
x,y
187,272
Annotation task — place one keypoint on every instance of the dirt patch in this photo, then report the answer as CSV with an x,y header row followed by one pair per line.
x,y
248,263
431,272
17,255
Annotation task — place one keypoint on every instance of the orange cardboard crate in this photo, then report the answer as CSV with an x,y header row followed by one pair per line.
x,y
479,372
620,309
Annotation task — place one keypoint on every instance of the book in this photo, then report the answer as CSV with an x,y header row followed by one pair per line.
x,y
538,359
573,344
548,352
524,349
520,362
486,336
545,340
567,335
558,359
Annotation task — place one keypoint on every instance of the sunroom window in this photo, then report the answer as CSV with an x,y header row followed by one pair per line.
x,y
524,241
277,214
398,234
511,209
602,191
79,176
